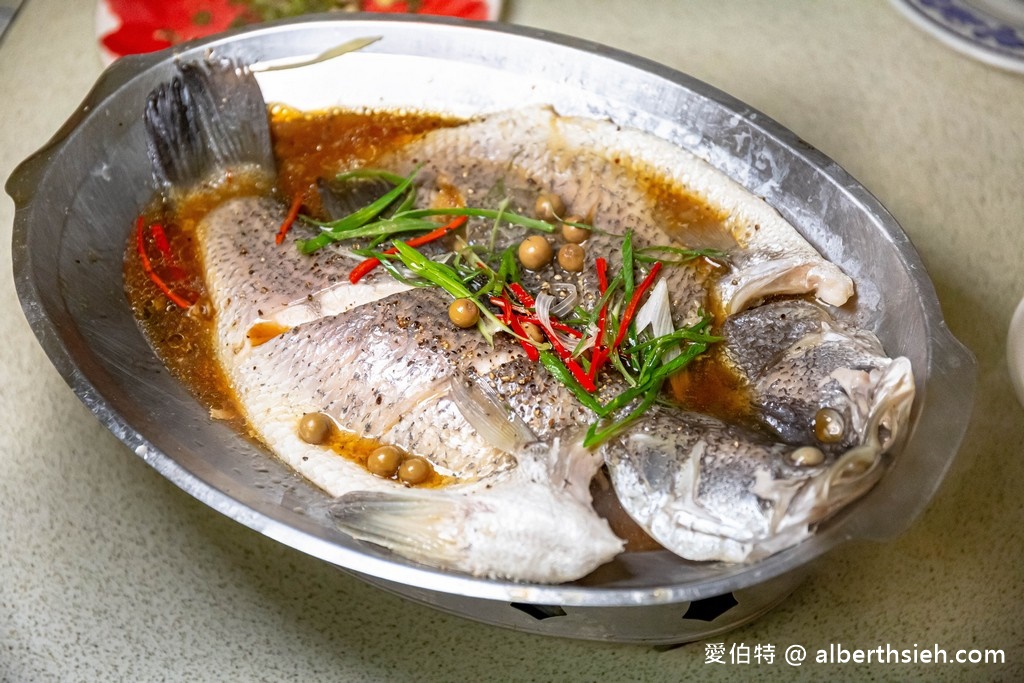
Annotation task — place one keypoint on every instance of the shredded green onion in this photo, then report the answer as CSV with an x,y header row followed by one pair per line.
x,y
684,255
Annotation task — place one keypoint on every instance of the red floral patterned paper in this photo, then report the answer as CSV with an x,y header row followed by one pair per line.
x,y
150,25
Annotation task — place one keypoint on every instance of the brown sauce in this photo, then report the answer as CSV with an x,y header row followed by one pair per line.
x,y
607,505
312,145
183,338
358,449
709,386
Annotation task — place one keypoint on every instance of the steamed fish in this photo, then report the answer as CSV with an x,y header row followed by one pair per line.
x,y
296,338
559,369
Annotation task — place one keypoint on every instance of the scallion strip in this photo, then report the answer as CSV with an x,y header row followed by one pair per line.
x,y
596,437
493,214
558,370
685,255
381,173
344,227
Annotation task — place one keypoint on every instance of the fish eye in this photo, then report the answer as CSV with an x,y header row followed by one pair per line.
x,y
829,425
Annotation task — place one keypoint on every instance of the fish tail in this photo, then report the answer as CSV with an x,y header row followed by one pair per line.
x,y
209,117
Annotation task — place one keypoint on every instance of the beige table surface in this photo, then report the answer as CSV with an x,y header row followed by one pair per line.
x,y
109,572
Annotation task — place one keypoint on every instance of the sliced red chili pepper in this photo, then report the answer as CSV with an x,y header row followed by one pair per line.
x,y
147,267
600,353
602,274
364,267
521,294
172,272
531,351
571,363
162,243
558,325
509,318
627,315
580,374
506,308
289,220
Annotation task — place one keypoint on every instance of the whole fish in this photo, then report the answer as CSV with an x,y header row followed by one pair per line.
x,y
383,362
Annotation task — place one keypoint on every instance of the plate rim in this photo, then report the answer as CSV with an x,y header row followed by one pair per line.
x,y
935,17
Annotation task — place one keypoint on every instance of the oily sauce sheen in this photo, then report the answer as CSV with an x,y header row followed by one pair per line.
x,y
312,145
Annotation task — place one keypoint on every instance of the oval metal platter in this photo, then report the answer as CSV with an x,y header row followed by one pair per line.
x,y
77,198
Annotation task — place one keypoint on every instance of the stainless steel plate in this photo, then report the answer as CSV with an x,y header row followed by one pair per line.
x,y
76,200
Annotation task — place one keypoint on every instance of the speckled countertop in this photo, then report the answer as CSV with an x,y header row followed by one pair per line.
x,y
109,572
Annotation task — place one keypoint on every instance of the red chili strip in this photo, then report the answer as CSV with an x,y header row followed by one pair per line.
x,y
512,321
558,325
172,271
531,351
147,267
602,274
364,267
289,220
600,353
506,308
521,294
597,359
572,364
162,243
634,303
580,374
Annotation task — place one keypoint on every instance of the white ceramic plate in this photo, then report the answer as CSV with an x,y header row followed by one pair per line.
x,y
991,31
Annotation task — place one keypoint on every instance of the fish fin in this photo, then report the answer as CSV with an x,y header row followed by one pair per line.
x,y
408,522
501,531
210,116
491,417
794,275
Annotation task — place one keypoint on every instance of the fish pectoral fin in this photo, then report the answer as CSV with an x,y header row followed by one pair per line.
x,y
793,275
487,413
419,526
507,530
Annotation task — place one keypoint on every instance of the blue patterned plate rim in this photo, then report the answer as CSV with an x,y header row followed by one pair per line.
x,y
972,27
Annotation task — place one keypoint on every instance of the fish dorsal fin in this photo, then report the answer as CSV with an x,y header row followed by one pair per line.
x,y
211,116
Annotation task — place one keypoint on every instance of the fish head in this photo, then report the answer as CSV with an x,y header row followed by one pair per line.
x,y
837,391
816,381
711,491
